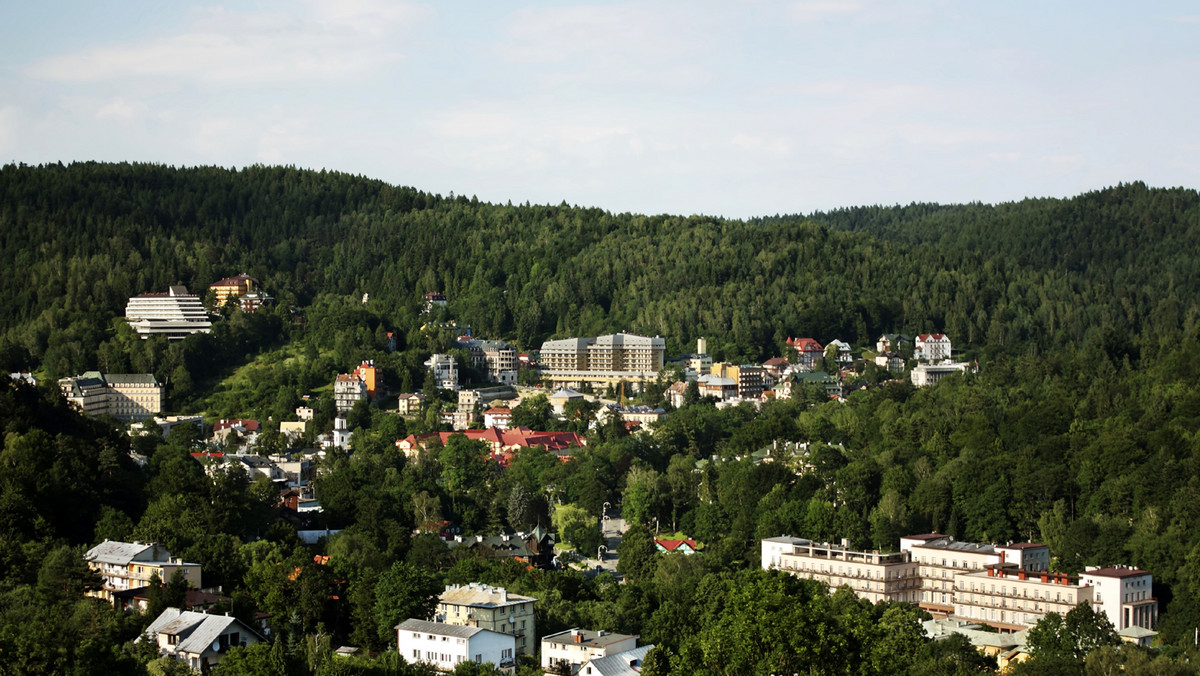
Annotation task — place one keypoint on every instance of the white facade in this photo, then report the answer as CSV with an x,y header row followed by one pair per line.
x,y
1013,598
486,607
873,576
446,645
348,390
929,374
127,396
199,640
445,370
932,346
175,314
1126,595
576,646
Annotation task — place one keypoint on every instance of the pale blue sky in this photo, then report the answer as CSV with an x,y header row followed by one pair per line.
x,y
735,109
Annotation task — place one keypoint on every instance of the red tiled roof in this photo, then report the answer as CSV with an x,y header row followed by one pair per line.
x,y
248,425
233,281
498,411
672,545
775,361
927,336
806,345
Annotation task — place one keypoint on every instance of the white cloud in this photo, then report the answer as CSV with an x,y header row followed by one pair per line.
x,y
121,109
228,47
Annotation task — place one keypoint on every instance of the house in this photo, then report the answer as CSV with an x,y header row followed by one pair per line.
x,y
892,342
486,607
833,386
445,371
677,393
250,302
843,352
444,646
304,413
175,314
682,546
535,548
129,565
933,347
199,640
434,299
562,399
348,390
497,417
233,287
293,429
126,396
628,663
924,375
245,431
809,353
574,647
719,387
775,367
411,403
892,361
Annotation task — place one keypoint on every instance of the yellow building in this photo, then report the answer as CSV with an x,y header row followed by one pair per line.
x,y
487,607
233,287
124,566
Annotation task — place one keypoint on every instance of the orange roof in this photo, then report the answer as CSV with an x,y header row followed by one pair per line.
x,y
672,545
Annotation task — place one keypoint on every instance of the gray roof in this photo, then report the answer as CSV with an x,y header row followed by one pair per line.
x,y
132,378
588,636
787,540
115,553
196,631
618,665
1136,632
566,344
439,628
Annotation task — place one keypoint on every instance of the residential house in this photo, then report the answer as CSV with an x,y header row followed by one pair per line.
x,y
445,646
892,342
241,432
199,640
677,393
434,299
126,396
809,353
603,360
535,548
487,607
628,663
130,565
175,314
775,367
482,397
682,546
892,361
573,647
304,413
720,387
843,352
411,403
250,302
933,347
348,390
563,398
497,417
445,371
495,358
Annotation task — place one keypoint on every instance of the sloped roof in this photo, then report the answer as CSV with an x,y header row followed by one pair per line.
x,y
196,631
619,664
116,553
482,595
439,628
672,545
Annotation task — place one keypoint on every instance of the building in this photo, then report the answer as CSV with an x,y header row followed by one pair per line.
x,y
1126,595
682,546
497,417
486,607
643,415
250,302
892,361
833,386
809,353
719,387
445,371
126,396
348,390
411,403
843,352
941,557
574,647
699,363
475,399
932,346
677,394
434,299
175,314
1011,598
495,358
604,360
371,376
444,646
892,342
924,375
873,576
199,640
123,566
233,287
501,443
563,397
628,663
749,378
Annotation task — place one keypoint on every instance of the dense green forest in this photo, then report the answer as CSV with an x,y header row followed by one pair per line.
x,y
1080,430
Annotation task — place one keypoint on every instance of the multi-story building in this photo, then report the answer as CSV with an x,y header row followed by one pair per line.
x,y
749,378
348,390
495,358
872,575
892,361
233,287
844,356
809,353
892,342
924,375
487,607
175,314
1009,597
445,370
411,403
941,558
1126,595
123,566
447,645
370,375
573,647
932,346
604,360
127,396
720,387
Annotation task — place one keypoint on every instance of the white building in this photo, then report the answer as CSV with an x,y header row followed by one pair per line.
x,y
941,557
127,396
1125,594
348,390
495,358
628,663
199,640
924,375
123,566
576,646
603,360
445,370
932,346
446,645
1011,598
487,607
873,576
175,314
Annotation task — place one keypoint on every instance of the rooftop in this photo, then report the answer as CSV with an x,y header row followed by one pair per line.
x,y
482,595
439,628
595,639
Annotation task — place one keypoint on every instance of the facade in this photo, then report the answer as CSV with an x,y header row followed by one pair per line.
x,y
233,287
348,390
497,417
495,358
720,387
892,342
434,299
1011,598
843,352
447,645
873,576
445,370
605,360
748,377
493,608
199,640
370,375
809,353
932,346
924,375
127,396
574,647
892,361
175,314
130,565
411,403
562,399
628,663
501,443
1126,595
941,558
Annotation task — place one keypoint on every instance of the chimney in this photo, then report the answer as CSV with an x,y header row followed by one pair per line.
x,y
1021,574
503,595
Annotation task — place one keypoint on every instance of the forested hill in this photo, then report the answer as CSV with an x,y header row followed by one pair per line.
x,y
1113,265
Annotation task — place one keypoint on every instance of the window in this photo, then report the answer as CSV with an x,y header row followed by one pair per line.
x,y
416,654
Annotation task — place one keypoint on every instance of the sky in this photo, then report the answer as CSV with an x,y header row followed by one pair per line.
x,y
734,109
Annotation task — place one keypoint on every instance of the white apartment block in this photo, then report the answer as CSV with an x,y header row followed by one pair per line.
x,y
175,314
941,558
127,396
605,359
348,390
444,646
493,608
924,375
1125,595
1008,597
873,576
575,646
932,346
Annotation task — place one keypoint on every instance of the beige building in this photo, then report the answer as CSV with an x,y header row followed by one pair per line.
x,y
573,647
496,358
1011,598
604,360
127,396
487,607
123,566
749,378
873,576
941,558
